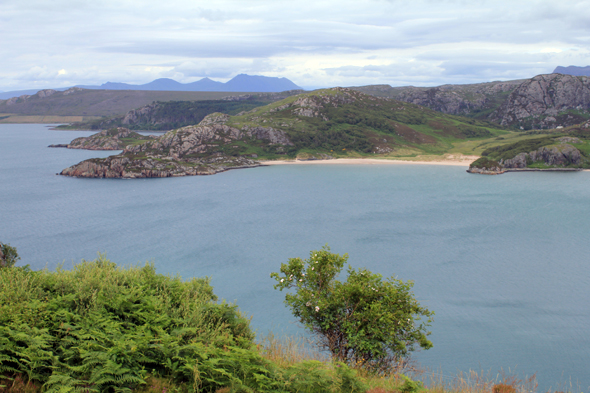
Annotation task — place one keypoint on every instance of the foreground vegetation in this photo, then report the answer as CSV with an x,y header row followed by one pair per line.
x,y
103,328
100,328
365,321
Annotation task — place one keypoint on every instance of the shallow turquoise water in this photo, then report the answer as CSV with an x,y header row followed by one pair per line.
x,y
502,260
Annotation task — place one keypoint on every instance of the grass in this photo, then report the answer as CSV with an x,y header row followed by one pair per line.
x,y
289,351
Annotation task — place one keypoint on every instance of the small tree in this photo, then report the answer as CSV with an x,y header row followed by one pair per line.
x,y
366,321
8,255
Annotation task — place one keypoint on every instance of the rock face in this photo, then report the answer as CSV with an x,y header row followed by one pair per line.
x,y
113,139
452,99
543,102
557,156
129,167
205,149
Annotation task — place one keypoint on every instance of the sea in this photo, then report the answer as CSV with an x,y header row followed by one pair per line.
x,y
503,261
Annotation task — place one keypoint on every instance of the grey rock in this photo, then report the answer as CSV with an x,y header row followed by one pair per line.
x,y
544,97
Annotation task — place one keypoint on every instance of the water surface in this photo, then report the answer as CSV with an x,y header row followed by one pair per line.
x,y
502,260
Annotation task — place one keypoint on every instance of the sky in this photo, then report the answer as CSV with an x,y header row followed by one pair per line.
x,y
61,43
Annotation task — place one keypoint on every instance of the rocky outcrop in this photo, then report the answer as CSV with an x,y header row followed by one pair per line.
x,y
555,156
205,149
546,101
129,167
113,139
561,157
485,166
484,171
452,99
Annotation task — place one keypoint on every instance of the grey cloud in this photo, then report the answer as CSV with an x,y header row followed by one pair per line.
x,y
245,34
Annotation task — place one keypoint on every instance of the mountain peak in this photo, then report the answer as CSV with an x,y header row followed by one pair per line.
x,y
572,70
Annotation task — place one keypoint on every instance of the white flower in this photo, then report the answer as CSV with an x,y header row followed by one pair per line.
x,y
315,255
312,268
282,279
317,309
308,304
300,280
303,274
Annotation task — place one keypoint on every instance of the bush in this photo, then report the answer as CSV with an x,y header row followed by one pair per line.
x,y
100,327
366,321
8,255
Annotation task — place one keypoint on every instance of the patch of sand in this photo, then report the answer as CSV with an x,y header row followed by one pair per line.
x,y
447,160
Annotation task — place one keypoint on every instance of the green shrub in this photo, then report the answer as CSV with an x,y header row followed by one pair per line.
x,y
103,328
8,255
100,327
366,321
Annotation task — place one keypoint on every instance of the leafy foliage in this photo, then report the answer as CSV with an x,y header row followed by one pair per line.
x,y
102,328
8,255
366,321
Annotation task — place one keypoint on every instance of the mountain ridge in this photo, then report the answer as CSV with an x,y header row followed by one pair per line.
x,y
241,83
572,70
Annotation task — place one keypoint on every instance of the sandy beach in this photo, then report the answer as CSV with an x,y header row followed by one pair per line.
x,y
449,160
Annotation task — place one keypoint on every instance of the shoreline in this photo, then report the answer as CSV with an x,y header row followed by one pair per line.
x,y
465,162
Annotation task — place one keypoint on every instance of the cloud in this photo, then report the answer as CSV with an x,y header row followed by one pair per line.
x,y
310,42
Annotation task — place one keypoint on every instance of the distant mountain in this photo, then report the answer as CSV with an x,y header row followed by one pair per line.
x,y
573,70
240,83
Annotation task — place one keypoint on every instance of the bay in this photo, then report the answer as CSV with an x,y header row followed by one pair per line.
x,y
502,260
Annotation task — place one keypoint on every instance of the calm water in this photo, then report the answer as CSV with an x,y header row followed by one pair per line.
x,y
502,260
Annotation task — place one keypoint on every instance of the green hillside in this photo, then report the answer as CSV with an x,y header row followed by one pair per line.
x,y
344,122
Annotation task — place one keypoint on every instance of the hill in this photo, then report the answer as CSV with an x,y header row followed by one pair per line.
x,y
565,149
542,102
573,70
84,102
326,123
473,100
546,102
175,114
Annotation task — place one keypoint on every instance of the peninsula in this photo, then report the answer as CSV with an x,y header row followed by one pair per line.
x,y
324,124
328,124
